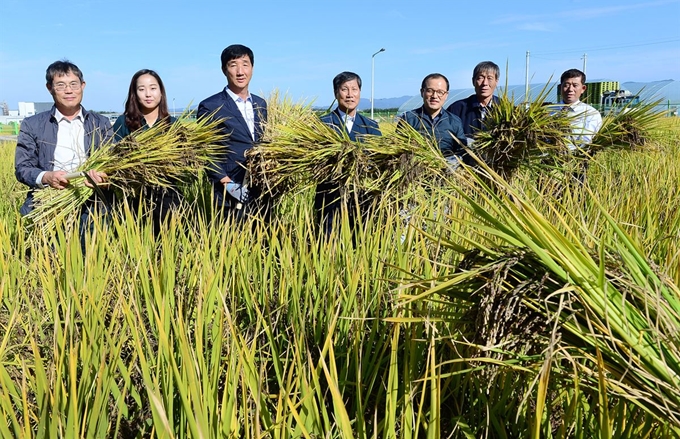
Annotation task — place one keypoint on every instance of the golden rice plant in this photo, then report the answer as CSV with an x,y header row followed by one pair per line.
x,y
522,135
629,128
159,157
300,151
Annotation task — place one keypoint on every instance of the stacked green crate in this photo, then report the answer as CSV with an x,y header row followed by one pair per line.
x,y
594,91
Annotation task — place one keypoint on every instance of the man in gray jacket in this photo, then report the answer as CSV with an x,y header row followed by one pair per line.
x,y
53,143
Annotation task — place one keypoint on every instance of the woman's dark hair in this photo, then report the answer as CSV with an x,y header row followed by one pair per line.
x,y
133,112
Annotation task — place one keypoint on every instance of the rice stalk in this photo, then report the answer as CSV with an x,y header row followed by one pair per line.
x,y
620,307
159,156
522,135
299,151
630,128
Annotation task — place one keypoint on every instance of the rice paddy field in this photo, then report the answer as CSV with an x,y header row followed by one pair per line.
x,y
469,307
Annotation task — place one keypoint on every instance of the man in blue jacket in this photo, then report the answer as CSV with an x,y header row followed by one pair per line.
x,y
56,142
242,116
347,121
473,109
431,119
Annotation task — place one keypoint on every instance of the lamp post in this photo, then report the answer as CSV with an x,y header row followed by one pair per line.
x,y
373,77
173,107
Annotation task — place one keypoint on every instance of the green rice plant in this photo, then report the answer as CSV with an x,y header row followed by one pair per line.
x,y
227,329
9,186
611,304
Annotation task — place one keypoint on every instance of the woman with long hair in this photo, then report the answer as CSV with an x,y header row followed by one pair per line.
x,y
146,106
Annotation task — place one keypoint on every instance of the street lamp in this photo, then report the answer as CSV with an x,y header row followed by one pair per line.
x,y
173,107
373,77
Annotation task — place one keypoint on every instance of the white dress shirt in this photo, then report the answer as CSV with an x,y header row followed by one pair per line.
x,y
347,119
246,109
69,152
585,123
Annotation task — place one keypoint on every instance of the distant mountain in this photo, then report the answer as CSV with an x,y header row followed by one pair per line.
x,y
380,104
365,104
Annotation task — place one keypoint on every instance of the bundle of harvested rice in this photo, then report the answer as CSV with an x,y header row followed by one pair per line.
x,y
156,157
300,151
521,135
627,128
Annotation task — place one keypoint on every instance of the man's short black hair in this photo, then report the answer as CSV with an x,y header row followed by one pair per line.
x,y
236,51
434,76
343,77
486,66
62,68
573,73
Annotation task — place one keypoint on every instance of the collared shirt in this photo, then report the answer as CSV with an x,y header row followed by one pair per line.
x,y
471,113
585,123
69,152
347,119
246,109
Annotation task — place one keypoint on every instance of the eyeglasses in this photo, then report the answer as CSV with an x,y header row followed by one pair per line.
x,y
439,93
61,86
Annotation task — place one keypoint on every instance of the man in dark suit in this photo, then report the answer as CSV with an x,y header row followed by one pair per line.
x,y
242,116
346,120
472,110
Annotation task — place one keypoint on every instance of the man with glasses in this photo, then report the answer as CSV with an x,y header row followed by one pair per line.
x,y
472,110
56,142
432,120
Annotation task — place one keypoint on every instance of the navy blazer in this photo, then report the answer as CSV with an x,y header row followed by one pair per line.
x,y
470,112
326,199
232,164
363,126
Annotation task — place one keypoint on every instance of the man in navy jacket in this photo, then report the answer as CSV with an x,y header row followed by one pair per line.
x,y
242,116
432,120
346,120
473,109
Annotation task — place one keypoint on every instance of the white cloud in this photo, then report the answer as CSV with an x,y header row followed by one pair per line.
x,y
536,26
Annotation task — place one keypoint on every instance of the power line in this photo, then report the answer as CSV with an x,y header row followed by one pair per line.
x,y
621,46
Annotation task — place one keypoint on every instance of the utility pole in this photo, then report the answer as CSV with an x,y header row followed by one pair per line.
x,y
526,80
585,58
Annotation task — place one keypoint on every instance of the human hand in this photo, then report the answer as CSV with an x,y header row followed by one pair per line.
x,y
98,177
55,179
237,191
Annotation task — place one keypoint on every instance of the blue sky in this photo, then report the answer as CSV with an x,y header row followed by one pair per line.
x,y
301,45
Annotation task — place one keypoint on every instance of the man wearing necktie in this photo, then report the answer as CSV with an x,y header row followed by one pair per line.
x,y
346,120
